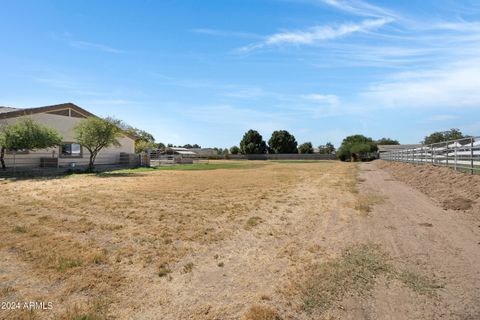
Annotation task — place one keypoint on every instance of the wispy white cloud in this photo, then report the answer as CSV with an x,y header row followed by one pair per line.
x,y
93,46
454,85
330,99
315,34
360,8
226,33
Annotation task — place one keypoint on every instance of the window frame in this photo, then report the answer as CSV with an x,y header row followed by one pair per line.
x,y
61,155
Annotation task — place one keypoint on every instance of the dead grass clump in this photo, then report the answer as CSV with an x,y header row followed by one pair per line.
x,y
163,270
354,272
101,257
66,263
365,203
261,312
188,267
7,290
95,309
418,283
253,222
20,229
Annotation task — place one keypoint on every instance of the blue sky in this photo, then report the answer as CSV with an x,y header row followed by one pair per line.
x,y
204,72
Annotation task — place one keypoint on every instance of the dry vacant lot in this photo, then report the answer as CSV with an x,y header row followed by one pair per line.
x,y
250,240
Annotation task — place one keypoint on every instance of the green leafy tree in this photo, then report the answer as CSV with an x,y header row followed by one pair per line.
x,y
142,145
252,143
387,141
328,148
356,147
282,142
234,150
454,134
94,134
143,141
305,148
441,136
26,134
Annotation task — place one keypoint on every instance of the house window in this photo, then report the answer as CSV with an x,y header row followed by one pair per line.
x,y
71,150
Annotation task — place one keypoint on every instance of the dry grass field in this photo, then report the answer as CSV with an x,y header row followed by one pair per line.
x,y
263,240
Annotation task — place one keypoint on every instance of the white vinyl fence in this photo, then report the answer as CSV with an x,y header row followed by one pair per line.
x,y
462,155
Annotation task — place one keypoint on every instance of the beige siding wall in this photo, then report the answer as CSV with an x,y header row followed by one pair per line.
x,y
64,125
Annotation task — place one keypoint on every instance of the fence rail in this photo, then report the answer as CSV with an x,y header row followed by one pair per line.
x,y
48,163
461,154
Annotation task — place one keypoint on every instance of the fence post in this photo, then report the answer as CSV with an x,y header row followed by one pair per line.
x,y
14,162
455,153
446,149
432,152
471,155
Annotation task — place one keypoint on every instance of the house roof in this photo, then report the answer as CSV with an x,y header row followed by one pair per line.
x,y
8,112
16,112
385,148
183,151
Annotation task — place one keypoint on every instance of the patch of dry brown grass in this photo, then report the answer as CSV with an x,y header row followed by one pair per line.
x,y
261,312
88,236
365,203
252,222
354,272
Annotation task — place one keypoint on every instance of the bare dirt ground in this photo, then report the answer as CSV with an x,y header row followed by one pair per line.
x,y
451,189
324,240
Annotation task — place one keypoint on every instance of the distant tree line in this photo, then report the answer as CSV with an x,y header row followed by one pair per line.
x,y
281,141
353,148
442,136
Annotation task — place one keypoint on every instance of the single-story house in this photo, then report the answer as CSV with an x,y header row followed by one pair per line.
x,y
62,117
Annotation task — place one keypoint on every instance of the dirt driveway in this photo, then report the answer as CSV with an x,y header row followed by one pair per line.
x,y
423,237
